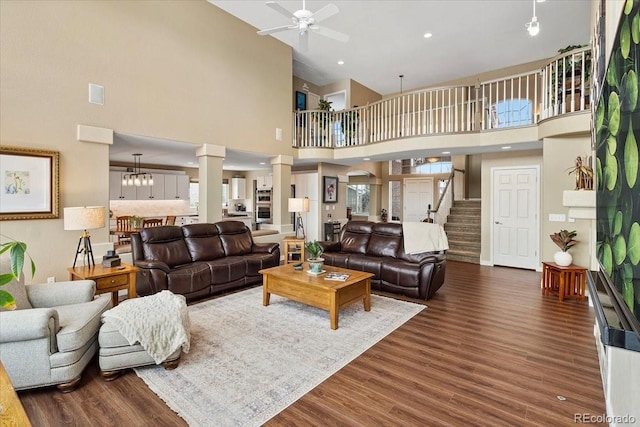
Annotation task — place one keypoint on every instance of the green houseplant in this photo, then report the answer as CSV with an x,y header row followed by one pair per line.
x,y
315,261
17,251
564,240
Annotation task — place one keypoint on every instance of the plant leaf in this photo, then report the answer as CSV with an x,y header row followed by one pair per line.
x,y
619,250
629,87
631,158
633,246
625,38
614,113
6,300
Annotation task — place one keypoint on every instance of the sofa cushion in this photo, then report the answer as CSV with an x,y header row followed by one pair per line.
x,y
355,236
227,269
235,237
203,241
401,273
165,244
79,323
189,278
258,261
336,259
366,263
385,240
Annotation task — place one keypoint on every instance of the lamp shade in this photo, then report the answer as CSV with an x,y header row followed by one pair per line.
x,y
298,205
84,218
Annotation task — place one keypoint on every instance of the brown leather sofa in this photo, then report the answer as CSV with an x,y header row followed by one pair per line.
x,y
378,248
199,260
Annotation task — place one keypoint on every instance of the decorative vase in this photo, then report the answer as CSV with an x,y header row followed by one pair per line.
x,y
315,265
563,258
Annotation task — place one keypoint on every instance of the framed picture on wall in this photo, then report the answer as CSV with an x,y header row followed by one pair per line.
x,y
330,192
30,183
301,101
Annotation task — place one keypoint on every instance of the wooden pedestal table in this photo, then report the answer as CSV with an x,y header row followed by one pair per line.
x,y
108,279
566,282
314,290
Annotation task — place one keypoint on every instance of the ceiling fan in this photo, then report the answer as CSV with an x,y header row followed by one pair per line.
x,y
303,20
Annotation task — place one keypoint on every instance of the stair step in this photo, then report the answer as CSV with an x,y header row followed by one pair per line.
x,y
473,246
462,228
465,211
467,219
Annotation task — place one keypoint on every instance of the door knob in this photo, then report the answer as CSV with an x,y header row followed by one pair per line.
x,y
498,222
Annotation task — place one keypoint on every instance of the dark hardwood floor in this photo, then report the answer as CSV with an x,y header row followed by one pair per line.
x,y
489,350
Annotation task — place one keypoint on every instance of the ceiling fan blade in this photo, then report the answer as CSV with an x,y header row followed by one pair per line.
x,y
278,8
303,42
332,34
277,29
325,12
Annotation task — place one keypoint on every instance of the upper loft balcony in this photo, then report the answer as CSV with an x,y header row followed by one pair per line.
x,y
517,102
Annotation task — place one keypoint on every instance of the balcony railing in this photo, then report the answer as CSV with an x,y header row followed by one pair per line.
x,y
514,101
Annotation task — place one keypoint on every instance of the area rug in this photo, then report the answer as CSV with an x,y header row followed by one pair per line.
x,y
248,362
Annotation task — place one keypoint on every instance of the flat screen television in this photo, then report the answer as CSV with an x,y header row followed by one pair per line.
x,y
616,133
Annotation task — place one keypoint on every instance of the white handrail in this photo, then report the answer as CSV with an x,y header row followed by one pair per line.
x,y
514,101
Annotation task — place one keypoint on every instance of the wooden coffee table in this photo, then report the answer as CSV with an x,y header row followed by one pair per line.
x,y
301,286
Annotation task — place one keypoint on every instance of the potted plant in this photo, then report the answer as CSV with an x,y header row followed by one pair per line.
x,y
315,261
564,240
17,251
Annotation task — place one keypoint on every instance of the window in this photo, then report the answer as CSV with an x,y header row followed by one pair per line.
x,y
358,198
512,112
433,165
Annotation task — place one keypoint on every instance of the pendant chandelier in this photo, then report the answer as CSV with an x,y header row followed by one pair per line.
x,y
137,178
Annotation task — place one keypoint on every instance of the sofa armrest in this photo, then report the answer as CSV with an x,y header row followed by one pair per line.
x,y
154,264
264,248
61,293
28,324
329,246
425,257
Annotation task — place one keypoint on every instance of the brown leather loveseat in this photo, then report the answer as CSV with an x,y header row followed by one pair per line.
x,y
198,260
378,248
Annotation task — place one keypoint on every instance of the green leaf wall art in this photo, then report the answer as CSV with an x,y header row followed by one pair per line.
x,y
617,131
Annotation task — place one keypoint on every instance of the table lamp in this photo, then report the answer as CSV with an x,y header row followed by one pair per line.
x,y
84,218
299,205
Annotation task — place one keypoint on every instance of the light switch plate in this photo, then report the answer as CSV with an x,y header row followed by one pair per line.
x,y
557,217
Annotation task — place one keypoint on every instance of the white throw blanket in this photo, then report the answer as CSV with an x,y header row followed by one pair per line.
x,y
423,237
160,323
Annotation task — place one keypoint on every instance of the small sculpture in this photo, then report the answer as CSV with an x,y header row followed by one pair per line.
x,y
584,174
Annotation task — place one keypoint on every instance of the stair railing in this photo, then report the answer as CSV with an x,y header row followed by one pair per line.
x,y
445,201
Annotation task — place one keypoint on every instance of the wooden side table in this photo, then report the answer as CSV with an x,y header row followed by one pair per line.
x,y
11,410
108,279
566,282
293,250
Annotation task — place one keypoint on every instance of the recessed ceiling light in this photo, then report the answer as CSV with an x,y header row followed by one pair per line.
x,y
446,152
506,147
262,163
341,62
191,163
427,35
366,159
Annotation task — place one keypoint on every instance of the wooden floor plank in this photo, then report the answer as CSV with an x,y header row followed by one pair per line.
x,y
488,350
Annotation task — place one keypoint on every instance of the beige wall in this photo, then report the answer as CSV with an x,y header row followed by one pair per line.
x,y
559,155
176,70
361,95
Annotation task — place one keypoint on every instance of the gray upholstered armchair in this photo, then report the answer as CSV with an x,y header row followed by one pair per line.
x,y
52,336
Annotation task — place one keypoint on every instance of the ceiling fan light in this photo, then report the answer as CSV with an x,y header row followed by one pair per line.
x,y
533,27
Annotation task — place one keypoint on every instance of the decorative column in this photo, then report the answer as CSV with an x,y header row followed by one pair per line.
x,y
281,169
210,159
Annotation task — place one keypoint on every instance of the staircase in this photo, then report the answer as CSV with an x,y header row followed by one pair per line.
x,y
463,231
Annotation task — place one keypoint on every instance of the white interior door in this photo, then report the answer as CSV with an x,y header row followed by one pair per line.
x,y
515,217
312,101
418,195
